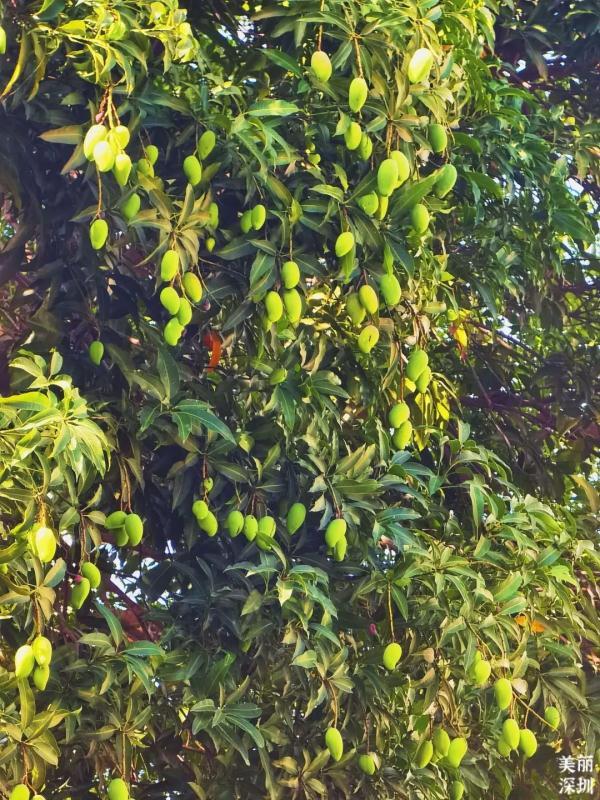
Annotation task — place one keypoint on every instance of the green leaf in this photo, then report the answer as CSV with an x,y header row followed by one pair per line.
x,y
273,108
189,415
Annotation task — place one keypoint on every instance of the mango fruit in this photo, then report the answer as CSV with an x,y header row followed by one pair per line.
x,y
403,165
192,287
2,40
353,136
552,717
438,138
192,169
292,302
390,289
457,751
92,573
259,215
24,662
387,177
38,797
134,527
42,650
170,300
383,207
457,790
424,380
398,414
419,217
104,156
234,523
511,733
246,221
339,551
267,526
368,338
119,136
321,65
482,670
334,743
208,484
503,747
209,524
200,509
213,215
19,792
441,742
151,153
445,181
527,742
41,676
185,313
122,168
210,244
94,135
172,332
44,544
368,299
79,593
117,790
250,527
355,308
273,306
367,764
417,361
420,65
121,538
503,693
357,94
391,655
369,203
131,206
115,520
98,233
403,435
365,148
96,352
206,144
344,243
424,753
169,265
290,274
388,259
335,530
295,517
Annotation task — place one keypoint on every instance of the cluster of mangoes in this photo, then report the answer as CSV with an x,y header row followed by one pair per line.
x,y
42,542
22,792
418,372
399,420
515,738
178,305
253,218
89,578
368,763
34,658
289,301
441,748
335,538
128,528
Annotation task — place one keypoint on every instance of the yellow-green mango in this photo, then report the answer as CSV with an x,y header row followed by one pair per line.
x,y
367,764
527,743
134,527
391,655
38,797
422,383
121,136
209,524
172,332
344,243
79,593
41,676
267,526
511,733
210,244
42,650
192,287
290,274
170,300
334,743
131,206
402,435
151,153
552,717
44,544
352,136
441,742
482,670
503,693
95,134
234,523
92,573
457,751
403,165
388,258
273,306
335,530
200,509
24,661
144,167
424,753
206,144
368,299
117,790
246,221
457,790
122,168
417,361
390,289
98,233
399,413
259,215
213,214
504,749
184,315
438,138
20,792
295,517
293,305
96,352
445,180
420,65
192,169
208,484
321,65
368,338
369,203
169,265
355,308
357,94
387,177
121,538
115,520
104,156
250,527
2,41
419,217
365,148
339,551
383,207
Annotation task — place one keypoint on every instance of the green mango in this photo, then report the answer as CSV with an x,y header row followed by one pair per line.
x,y
234,523
398,415
278,376
38,797
41,676
134,527
365,148
390,289
503,747
92,573
366,764
259,216
79,593
120,136
42,650
115,520
420,65
457,790
246,221
388,258
206,144
503,693
445,180
353,136
151,153
144,167
417,361
184,315
192,287
368,299
200,509
192,169
267,526
441,742
122,168
527,743
552,717
209,524
295,517
438,138
339,551
511,733
482,670
96,352
369,203
121,538
344,243
250,527
368,338
290,274
104,156
273,306
334,743
335,530
131,206
383,207
403,435
170,300
2,41
94,135
20,792
98,233
391,655
117,790
403,165
457,751
419,217
213,215
210,244
424,753
387,177
208,484
423,380
172,332
355,308
321,65
357,94
44,544
293,305
24,661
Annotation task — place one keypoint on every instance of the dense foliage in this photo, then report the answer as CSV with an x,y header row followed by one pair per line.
x,y
300,411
